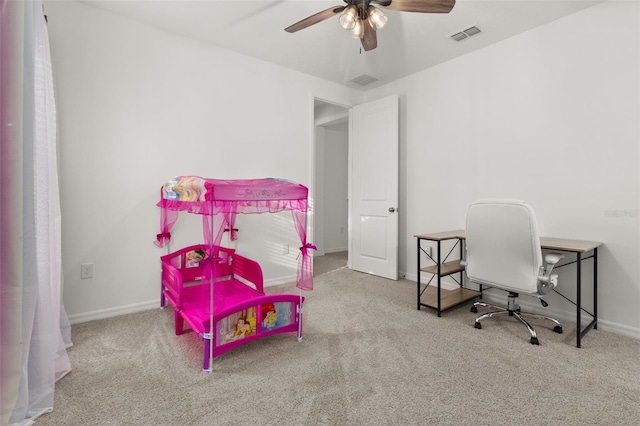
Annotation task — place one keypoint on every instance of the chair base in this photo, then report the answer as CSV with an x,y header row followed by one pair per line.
x,y
514,310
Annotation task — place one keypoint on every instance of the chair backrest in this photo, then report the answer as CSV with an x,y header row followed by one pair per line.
x,y
503,245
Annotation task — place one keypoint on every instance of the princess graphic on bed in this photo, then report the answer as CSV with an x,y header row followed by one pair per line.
x,y
244,326
194,257
269,316
270,322
185,188
243,329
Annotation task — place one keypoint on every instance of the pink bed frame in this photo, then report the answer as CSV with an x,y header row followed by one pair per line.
x,y
221,295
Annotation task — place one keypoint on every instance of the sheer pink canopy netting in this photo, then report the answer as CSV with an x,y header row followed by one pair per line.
x,y
219,201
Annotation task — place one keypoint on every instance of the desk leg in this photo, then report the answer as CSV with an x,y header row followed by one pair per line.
x,y
579,297
461,257
439,275
595,288
418,272
594,321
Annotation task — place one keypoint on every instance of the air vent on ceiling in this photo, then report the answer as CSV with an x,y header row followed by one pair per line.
x,y
363,79
465,34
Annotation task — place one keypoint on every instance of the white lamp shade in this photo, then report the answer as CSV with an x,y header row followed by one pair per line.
x,y
377,19
349,17
358,31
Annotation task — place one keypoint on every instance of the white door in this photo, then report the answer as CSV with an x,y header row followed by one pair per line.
x,y
373,185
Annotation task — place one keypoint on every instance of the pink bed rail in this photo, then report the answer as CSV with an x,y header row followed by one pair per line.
x,y
241,310
182,267
263,305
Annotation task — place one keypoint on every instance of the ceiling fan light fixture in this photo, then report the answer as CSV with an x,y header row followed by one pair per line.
x,y
349,17
357,31
377,19
363,19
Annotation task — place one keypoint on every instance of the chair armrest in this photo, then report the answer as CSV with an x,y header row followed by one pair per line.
x,y
553,258
546,280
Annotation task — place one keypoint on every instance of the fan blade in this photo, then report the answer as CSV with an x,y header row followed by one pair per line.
x,y
423,6
314,19
369,38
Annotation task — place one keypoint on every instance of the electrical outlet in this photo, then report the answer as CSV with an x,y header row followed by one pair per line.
x,y
427,250
86,270
285,249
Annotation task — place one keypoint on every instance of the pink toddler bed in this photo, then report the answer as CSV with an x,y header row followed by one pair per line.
x,y
215,290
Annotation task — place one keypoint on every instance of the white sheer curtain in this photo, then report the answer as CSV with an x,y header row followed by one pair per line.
x,y
35,330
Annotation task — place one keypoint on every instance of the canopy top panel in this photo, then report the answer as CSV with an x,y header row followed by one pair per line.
x,y
214,196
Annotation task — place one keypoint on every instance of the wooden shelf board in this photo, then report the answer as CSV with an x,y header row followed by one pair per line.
x,y
446,268
441,236
448,298
564,244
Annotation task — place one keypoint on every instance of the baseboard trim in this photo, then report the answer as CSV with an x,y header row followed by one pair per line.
x,y
280,280
335,250
529,305
113,312
563,316
621,329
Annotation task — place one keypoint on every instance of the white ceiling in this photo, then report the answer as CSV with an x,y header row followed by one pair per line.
x,y
410,42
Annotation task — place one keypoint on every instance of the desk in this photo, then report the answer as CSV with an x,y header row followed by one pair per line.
x,y
444,268
579,247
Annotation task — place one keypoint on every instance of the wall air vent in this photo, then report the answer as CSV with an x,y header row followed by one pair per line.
x,y
465,34
363,79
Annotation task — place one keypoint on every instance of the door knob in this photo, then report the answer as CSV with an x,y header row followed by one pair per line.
x,y
391,210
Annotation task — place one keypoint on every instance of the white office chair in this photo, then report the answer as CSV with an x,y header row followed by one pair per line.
x,y
503,251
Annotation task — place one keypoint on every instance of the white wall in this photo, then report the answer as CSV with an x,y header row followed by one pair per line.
x,y
550,116
137,106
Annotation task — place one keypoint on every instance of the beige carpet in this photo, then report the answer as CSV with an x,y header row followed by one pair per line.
x,y
368,357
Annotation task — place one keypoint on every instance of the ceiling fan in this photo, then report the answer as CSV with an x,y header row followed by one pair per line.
x,y
364,19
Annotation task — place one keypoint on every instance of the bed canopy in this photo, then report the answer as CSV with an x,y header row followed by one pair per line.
x,y
219,201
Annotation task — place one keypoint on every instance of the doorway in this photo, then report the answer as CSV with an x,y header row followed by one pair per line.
x,y
330,203
355,184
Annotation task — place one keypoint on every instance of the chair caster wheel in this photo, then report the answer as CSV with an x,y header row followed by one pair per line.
x,y
557,329
534,341
477,325
474,309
